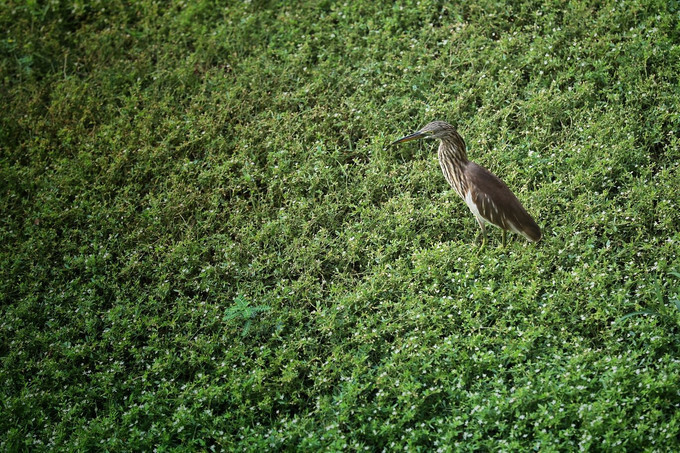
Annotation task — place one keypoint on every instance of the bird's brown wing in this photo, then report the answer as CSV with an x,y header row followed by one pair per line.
x,y
497,204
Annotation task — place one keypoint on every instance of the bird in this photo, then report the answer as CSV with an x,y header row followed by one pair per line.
x,y
489,198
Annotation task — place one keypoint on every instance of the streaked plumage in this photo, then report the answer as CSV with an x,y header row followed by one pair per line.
x,y
489,198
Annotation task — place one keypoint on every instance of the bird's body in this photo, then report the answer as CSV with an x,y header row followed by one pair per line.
x,y
489,198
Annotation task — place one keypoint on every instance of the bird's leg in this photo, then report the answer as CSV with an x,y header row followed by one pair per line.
x,y
483,233
503,238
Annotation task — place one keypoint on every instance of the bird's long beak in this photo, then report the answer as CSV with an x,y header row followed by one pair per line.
x,y
414,136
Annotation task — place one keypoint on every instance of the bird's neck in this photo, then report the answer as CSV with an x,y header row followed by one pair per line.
x,y
453,160
454,150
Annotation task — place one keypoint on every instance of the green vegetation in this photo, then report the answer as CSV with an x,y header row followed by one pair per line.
x,y
205,245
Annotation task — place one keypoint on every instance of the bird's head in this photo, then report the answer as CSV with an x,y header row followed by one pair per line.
x,y
433,130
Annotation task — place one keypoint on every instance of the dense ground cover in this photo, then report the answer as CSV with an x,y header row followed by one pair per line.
x,y
204,243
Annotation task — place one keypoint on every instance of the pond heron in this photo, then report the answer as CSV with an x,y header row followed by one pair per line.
x,y
489,198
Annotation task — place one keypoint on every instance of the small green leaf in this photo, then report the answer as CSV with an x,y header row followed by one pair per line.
x,y
635,313
677,303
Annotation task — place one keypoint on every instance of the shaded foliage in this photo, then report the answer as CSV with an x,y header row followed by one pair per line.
x,y
205,243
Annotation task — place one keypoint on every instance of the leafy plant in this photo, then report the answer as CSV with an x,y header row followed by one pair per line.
x,y
242,313
205,246
660,311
